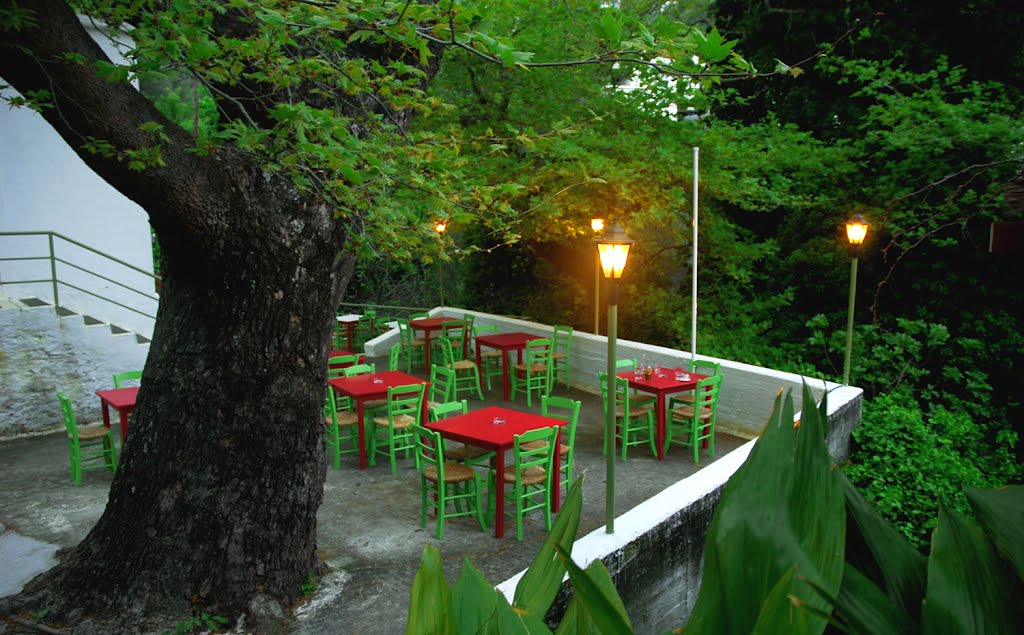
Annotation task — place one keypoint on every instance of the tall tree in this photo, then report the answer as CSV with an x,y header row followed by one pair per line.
x,y
259,223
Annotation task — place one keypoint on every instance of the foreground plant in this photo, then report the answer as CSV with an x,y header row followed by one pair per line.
x,y
793,547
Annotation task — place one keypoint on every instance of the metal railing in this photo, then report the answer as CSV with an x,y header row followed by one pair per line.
x,y
56,283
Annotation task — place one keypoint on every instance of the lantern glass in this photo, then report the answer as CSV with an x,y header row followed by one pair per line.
x,y
440,226
856,229
597,224
613,258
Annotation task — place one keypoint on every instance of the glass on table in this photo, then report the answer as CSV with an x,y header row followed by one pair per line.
x,y
498,421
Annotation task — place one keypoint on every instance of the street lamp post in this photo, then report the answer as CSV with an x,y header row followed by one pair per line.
x,y
439,227
856,230
613,248
597,225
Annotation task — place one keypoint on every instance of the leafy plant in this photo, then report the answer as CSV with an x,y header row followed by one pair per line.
x,y
199,620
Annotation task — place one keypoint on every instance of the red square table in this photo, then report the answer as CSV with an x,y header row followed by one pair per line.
x,y
478,428
370,386
506,343
661,386
123,399
432,324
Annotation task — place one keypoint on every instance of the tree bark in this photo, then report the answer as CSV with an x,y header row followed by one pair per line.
x,y
220,479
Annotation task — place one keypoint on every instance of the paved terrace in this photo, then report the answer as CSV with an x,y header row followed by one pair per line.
x,y
369,531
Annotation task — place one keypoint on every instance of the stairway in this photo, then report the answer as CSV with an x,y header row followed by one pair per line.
x,y
43,350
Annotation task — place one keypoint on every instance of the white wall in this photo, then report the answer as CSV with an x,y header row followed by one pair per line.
x,y
44,186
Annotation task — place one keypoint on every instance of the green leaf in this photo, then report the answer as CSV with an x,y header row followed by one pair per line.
x,y
969,589
474,601
596,593
430,599
782,510
713,47
543,578
865,608
610,29
1001,513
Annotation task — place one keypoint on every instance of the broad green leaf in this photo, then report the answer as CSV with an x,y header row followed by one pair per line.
x,y
596,592
430,599
864,608
1001,513
543,578
610,29
474,602
781,611
970,590
713,47
879,550
782,510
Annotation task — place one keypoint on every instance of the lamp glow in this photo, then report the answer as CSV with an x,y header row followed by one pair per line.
x,y
614,246
856,229
596,224
440,226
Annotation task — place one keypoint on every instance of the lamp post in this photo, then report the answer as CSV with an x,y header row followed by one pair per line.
x,y
613,248
597,225
856,230
439,227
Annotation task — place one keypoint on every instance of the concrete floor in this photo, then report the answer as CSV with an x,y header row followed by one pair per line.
x,y
368,530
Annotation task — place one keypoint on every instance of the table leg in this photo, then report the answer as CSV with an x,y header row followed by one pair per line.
x,y
106,413
123,415
361,433
659,437
499,493
506,388
426,350
350,329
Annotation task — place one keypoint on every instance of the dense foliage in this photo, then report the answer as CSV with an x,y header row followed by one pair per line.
x,y
926,145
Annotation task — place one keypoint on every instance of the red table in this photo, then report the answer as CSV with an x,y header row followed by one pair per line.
x,y
431,324
662,386
350,322
506,343
477,428
363,388
123,399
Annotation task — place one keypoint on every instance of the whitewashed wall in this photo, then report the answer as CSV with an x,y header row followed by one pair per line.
x,y
44,186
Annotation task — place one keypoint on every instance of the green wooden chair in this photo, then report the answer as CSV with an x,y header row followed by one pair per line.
x,y
91,446
341,421
567,410
634,425
468,454
467,375
534,374
444,482
531,475
562,342
690,424
130,375
636,398
358,369
393,431
442,385
490,359
395,356
366,328
412,346
337,364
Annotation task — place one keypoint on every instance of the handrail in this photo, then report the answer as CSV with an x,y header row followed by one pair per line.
x,y
56,282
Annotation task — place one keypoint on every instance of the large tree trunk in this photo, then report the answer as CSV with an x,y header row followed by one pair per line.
x,y
220,479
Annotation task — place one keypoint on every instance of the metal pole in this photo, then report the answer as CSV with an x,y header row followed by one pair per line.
x,y
693,294
440,280
597,296
849,321
53,273
609,412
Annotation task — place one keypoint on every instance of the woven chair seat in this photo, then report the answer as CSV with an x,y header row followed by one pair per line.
x,y
375,403
453,472
401,421
558,355
464,364
534,368
489,354
563,449
687,397
634,411
465,452
346,418
686,412
531,475
92,431
641,400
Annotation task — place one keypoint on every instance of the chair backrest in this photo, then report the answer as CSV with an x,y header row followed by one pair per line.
x,y
70,424
405,400
485,329
623,364
706,394
705,367
419,315
538,351
445,410
429,450
405,333
562,338
337,362
331,408
442,383
535,455
621,392
447,352
565,409
359,369
130,375
394,355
